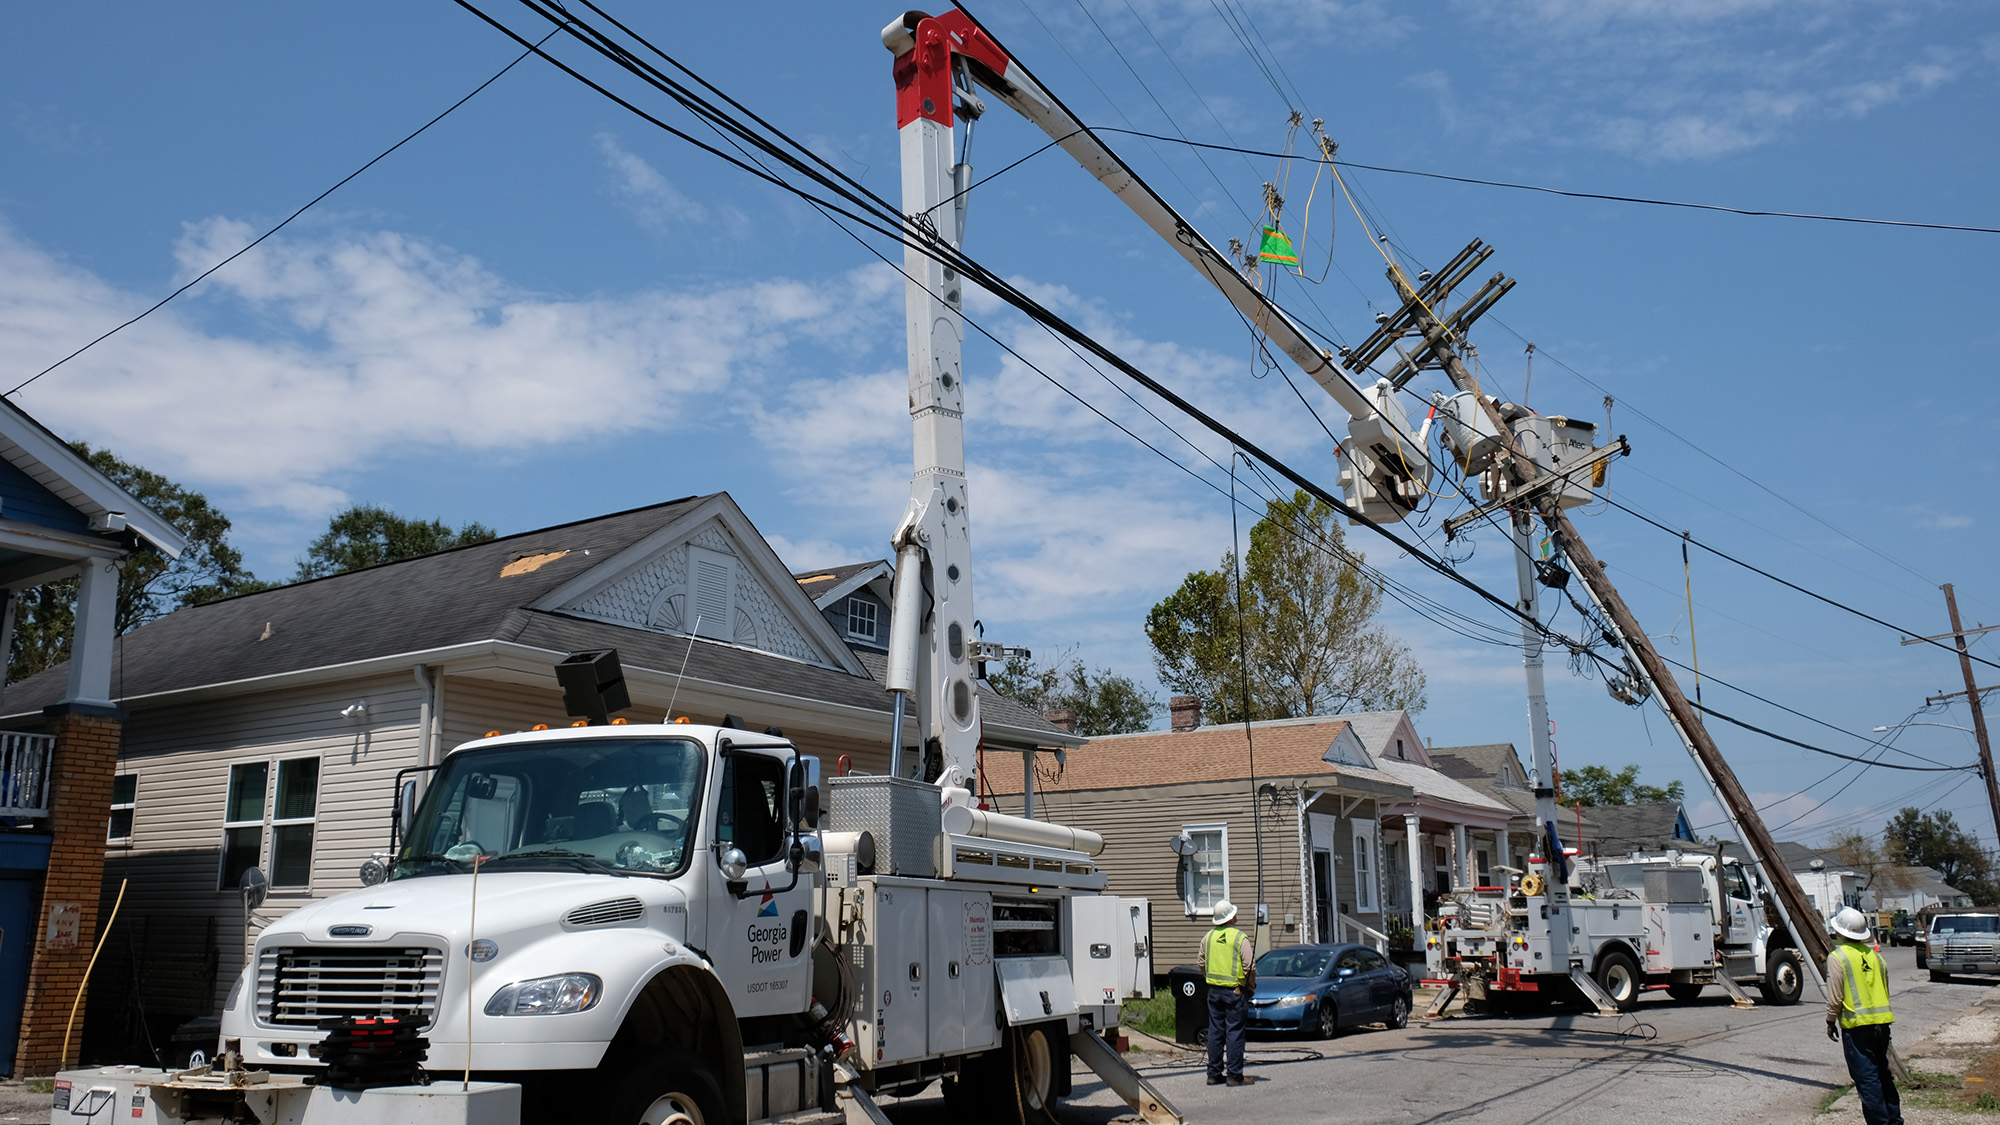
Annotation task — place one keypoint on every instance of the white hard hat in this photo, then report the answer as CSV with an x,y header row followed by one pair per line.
x,y
1850,924
1225,912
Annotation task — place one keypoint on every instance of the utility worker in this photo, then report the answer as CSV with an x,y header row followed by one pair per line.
x,y
1857,1014
1232,977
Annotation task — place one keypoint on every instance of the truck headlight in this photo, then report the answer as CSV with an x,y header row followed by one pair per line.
x,y
547,996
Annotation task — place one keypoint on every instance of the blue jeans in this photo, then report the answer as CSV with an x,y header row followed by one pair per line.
x,y
1226,1008
1867,1050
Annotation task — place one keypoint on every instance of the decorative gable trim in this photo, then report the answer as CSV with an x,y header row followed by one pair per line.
x,y
709,571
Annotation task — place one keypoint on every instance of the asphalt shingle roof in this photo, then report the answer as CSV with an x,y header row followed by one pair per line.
x,y
1647,824
1217,753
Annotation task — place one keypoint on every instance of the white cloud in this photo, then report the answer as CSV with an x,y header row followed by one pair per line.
x,y
378,343
652,199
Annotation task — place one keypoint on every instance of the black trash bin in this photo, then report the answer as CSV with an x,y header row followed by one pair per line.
x,y
1190,988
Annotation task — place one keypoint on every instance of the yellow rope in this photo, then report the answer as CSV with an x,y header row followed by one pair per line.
x,y
85,983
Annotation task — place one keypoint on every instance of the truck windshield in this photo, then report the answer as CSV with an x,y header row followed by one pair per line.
x,y
1967,924
615,805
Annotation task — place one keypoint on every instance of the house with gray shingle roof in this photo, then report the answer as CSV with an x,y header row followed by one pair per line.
x,y
272,730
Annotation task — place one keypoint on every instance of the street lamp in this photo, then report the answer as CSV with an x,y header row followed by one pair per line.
x,y
1947,726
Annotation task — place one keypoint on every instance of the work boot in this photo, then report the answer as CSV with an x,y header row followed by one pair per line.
x,y
1238,1080
1215,1079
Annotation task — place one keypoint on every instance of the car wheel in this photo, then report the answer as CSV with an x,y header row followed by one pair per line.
x,y
1327,1024
1399,1013
1618,976
1784,979
669,1088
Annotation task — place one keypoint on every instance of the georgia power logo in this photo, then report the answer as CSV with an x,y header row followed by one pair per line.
x,y
769,907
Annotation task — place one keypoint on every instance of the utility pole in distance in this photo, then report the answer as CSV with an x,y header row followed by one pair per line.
x,y
1971,693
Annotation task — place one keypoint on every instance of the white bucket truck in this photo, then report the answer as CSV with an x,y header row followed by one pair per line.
x,y
1610,930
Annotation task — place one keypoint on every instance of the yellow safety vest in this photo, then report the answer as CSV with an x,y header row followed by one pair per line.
x,y
1864,999
1222,956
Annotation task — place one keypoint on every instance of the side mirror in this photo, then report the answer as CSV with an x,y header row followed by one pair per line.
x,y
255,888
735,865
1346,972
406,809
374,870
811,816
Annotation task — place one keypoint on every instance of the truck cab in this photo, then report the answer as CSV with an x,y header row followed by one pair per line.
x,y
567,900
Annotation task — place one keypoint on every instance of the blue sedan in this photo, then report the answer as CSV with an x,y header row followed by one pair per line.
x,y
1319,989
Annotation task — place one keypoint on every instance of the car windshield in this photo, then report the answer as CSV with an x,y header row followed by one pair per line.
x,y
1967,924
1293,963
620,806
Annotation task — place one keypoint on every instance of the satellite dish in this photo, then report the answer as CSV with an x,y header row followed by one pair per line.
x,y
1817,865
254,887
1182,844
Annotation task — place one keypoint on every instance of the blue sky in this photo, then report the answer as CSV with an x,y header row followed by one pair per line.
x,y
544,309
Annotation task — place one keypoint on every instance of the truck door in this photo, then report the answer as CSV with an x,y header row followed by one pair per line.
x,y
760,932
1740,923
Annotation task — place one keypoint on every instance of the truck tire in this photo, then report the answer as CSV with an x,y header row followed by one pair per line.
x,y
1938,977
1033,1055
1685,993
1784,978
1618,975
659,1088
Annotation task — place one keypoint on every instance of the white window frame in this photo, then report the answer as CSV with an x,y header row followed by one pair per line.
x,y
117,806
1364,870
872,617
268,821
1187,887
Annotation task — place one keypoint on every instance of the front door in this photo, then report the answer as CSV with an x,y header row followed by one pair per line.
x,y
760,933
1739,927
1323,894
18,907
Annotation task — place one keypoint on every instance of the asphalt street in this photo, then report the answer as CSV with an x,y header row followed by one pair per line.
x,y
1703,1062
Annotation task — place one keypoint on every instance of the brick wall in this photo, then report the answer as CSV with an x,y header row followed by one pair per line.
x,y
86,756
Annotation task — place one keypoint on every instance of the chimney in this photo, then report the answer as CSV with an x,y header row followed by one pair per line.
x,y
1186,710
1063,717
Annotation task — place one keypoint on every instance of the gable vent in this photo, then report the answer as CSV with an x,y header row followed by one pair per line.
x,y
712,590
605,913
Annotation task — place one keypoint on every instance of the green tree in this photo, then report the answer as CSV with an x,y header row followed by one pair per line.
x,y
1104,702
1937,841
150,585
1306,612
366,535
1595,785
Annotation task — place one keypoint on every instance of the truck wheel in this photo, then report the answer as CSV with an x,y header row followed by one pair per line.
x,y
1940,977
1618,976
1034,1056
662,1088
1783,978
1684,992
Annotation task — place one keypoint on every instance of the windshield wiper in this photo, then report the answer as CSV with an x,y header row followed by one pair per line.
x,y
589,862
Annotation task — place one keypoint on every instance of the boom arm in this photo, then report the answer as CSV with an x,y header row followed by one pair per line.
x,y
1383,478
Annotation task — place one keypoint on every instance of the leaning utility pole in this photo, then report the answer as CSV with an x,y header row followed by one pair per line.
x,y
1437,336
1971,693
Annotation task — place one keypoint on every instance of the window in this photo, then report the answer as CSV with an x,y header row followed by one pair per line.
x,y
1364,871
1485,867
290,819
861,619
1205,873
124,798
753,807
1371,960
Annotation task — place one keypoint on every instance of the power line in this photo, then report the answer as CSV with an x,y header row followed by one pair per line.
x,y
203,276
1639,199
924,241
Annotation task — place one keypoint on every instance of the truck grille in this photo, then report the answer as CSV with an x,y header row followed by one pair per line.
x,y
298,986
1960,949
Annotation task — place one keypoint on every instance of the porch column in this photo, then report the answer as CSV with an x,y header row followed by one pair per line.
x,y
95,633
1461,865
1503,856
1028,784
1416,873
9,603
84,758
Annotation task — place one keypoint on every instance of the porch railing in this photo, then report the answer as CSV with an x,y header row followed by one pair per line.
x,y
24,773
1363,934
